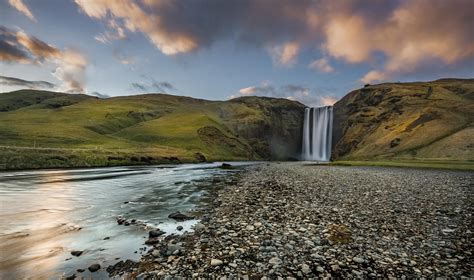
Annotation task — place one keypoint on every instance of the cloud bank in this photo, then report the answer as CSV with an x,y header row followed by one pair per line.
x,y
16,82
407,34
70,65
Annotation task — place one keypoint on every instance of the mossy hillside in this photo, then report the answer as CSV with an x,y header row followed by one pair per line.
x,y
159,126
430,120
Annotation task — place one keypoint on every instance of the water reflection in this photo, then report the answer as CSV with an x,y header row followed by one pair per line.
x,y
46,214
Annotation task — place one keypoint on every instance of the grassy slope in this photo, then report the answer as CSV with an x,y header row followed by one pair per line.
x,y
45,129
407,122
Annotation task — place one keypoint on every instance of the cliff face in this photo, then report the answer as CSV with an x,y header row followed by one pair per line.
x,y
406,120
273,127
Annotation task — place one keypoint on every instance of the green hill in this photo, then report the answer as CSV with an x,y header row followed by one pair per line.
x,y
406,121
50,129
392,121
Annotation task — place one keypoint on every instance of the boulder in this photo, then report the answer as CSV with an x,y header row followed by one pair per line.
x,y
179,216
94,267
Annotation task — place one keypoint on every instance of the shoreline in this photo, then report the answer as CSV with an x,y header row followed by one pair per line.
x,y
426,164
285,219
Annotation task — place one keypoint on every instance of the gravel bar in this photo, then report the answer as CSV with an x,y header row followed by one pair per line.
x,y
300,220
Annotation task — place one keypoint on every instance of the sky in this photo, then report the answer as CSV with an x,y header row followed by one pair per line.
x,y
311,51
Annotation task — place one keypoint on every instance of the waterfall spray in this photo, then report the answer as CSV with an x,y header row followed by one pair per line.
x,y
317,133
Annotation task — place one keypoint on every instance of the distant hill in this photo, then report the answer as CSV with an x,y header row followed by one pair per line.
x,y
421,120
50,129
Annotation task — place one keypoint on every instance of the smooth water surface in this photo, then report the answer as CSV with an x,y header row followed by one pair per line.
x,y
47,214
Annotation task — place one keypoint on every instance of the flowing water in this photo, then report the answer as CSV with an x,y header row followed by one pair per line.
x,y
47,214
317,133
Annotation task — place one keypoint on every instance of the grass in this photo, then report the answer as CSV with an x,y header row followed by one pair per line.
x,y
407,120
420,163
40,129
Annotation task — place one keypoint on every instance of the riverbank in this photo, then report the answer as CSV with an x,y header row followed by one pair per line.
x,y
467,165
298,220
29,158
59,223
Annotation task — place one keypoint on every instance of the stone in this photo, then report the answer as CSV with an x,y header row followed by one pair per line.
x,y
179,228
94,267
358,260
76,253
179,216
274,261
155,233
305,269
216,262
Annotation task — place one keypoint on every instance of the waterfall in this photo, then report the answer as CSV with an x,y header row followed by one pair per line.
x,y
317,134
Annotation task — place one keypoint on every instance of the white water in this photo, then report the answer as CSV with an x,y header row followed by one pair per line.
x,y
317,133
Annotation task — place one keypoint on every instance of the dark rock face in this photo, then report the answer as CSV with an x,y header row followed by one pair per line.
x,y
275,132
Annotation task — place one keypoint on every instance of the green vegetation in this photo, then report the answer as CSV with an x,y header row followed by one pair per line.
x,y
415,163
407,121
423,124
40,129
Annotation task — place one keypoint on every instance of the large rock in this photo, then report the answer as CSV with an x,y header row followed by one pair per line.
x,y
94,267
179,216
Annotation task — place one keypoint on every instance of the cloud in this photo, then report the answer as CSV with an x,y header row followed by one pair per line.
x,y
138,87
10,50
162,86
71,71
328,100
99,95
123,58
16,82
375,76
19,47
410,36
392,37
321,65
115,32
299,93
153,85
248,90
22,8
285,54
135,19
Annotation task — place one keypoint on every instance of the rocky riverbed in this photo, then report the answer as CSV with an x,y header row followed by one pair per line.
x,y
303,221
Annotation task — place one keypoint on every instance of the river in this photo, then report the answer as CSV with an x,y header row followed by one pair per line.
x,y
46,214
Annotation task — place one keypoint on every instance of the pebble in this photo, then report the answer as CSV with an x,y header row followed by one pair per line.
x,y
287,220
216,262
